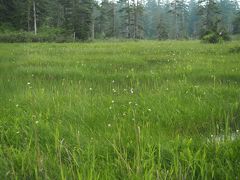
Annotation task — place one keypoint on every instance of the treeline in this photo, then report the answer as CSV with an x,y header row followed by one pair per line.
x,y
133,19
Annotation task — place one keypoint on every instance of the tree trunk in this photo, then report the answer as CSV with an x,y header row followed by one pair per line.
x,y
114,28
34,17
129,21
28,16
93,33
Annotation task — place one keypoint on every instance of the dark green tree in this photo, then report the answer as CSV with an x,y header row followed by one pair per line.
x,y
236,23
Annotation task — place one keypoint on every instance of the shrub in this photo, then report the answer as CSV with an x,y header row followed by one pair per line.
x,y
235,50
215,37
30,37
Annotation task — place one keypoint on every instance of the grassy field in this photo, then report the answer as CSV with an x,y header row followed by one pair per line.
x,y
120,110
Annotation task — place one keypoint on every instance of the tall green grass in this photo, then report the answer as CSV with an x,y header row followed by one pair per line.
x,y
119,110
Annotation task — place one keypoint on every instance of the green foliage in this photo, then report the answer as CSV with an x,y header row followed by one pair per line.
x,y
215,37
235,50
133,19
119,110
162,30
236,24
49,36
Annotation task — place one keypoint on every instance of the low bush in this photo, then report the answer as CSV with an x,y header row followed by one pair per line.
x,y
215,37
15,37
235,50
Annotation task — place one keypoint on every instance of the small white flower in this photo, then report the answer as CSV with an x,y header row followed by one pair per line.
x,y
17,105
36,122
17,132
28,83
114,90
149,110
136,104
110,107
211,135
113,81
237,131
131,90
129,102
109,125
90,89
113,101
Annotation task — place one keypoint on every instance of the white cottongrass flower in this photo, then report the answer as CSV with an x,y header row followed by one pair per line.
x,y
131,90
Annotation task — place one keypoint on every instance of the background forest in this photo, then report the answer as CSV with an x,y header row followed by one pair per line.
x,y
68,20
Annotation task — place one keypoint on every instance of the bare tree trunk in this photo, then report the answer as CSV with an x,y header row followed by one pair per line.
x,y
93,33
129,20
28,16
34,17
114,16
176,20
135,20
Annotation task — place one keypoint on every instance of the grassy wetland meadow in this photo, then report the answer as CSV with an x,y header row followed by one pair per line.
x,y
120,110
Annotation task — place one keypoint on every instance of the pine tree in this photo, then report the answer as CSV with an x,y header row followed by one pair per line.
x,y
107,18
78,18
151,19
193,25
236,23
210,16
125,18
179,18
162,30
